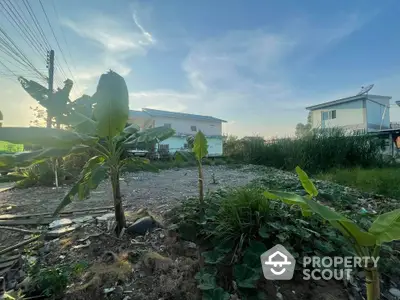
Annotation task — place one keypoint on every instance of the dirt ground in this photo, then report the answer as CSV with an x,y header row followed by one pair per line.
x,y
154,191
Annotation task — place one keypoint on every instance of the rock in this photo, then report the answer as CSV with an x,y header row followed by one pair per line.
x,y
395,292
60,223
156,262
143,225
106,217
279,296
56,233
84,219
109,290
12,284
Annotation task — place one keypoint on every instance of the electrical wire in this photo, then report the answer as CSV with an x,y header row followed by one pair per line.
x,y
37,24
68,49
11,47
17,21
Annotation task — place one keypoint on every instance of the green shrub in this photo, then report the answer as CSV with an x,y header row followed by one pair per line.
x,y
38,174
383,181
315,152
235,227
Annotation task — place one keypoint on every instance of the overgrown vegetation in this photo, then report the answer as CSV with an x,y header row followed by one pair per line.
x,y
318,151
383,181
234,227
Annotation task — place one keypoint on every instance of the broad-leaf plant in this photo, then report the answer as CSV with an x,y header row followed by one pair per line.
x,y
98,123
384,229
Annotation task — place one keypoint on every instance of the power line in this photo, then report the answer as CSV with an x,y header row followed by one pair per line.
x,y
37,24
18,21
10,46
66,44
54,35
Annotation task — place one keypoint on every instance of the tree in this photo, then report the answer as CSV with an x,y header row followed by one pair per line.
x,y
106,135
304,129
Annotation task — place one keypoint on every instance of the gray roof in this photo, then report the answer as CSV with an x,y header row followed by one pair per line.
x,y
170,114
343,100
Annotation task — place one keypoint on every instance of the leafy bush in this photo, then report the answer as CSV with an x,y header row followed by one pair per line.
x,y
315,152
383,181
235,227
38,174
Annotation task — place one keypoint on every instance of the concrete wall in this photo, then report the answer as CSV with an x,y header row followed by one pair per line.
x,y
183,126
348,115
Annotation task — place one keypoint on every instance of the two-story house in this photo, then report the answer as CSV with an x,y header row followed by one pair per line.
x,y
363,113
185,125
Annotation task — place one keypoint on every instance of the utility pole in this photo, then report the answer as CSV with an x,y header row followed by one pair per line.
x,y
50,66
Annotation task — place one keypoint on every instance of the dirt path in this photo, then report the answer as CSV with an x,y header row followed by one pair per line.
x,y
156,191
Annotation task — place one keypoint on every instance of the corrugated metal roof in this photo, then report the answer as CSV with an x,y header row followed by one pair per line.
x,y
137,113
343,100
170,114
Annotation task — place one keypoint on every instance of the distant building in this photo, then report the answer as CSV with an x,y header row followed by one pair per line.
x,y
185,125
364,113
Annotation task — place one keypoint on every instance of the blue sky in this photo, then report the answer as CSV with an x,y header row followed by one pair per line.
x,y
257,64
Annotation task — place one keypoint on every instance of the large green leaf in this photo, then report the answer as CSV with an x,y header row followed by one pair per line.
x,y
348,228
291,199
57,105
216,294
306,182
200,147
245,276
152,135
20,159
92,174
45,137
131,129
386,227
112,105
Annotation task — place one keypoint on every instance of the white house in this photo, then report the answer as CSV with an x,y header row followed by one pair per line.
x,y
364,113
185,125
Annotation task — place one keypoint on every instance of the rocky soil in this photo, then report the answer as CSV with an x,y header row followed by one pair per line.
x,y
159,265
155,191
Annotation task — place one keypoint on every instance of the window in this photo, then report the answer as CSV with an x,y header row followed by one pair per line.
x,y
193,128
168,125
328,115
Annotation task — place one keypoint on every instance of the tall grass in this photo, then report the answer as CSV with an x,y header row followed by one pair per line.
x,y
318,151
383,181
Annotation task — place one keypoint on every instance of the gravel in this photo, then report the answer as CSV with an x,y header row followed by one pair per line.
x,y
155,191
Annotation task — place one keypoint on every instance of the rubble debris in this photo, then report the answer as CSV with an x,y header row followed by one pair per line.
x,y
143,225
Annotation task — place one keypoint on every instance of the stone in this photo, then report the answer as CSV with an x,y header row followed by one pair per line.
x,y
143,225
395,292
60,223
56,233
156,262
84,219
106,217
279,296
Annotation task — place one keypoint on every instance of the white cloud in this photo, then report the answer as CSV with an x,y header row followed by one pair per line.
x,y
112,34
162,99
246,75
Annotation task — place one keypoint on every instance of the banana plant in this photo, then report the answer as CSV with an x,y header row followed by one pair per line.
x,y
199,150
107,135
384,229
